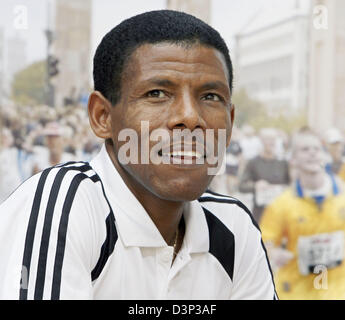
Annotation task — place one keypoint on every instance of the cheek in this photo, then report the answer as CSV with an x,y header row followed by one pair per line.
x,y
221,123
303,159
137,111
297,160
120,126
215,118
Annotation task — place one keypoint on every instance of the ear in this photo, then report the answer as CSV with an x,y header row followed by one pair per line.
x,y
99,115
232,119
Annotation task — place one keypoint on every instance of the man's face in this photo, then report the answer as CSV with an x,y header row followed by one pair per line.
x,y
269,143
172,87
309,155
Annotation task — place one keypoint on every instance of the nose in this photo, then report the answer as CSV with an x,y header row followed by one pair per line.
x,y
185,113
313,153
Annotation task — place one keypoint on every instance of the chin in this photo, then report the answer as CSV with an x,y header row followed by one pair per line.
x,y
181,192
314,170
179,185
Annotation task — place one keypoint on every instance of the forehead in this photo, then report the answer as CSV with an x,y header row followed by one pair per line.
x,y
306,141
268,137
177,61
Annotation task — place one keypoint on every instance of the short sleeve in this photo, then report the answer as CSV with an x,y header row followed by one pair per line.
x,y
48,237
253,278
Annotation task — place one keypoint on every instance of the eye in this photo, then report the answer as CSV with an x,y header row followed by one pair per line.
x,y
212,97
156,94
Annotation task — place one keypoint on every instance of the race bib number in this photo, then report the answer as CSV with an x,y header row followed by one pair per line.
x,y
265,197
325,249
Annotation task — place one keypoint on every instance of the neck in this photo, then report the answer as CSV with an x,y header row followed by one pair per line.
x,y
165,214
55,158
267,155
337,158
312,181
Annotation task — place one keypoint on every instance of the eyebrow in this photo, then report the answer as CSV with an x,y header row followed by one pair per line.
x,y
214,85
160,82
211,85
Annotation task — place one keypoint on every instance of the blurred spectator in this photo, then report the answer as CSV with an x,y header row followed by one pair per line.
x,y
265,176
9,173
282,145
234,154
342,172
250,144
227,183
334,142
38,136
234,162
52,153
304,228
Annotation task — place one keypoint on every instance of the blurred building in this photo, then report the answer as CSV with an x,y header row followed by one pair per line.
x,y
198,8
271,60
72,47
327,65
2,65
16,56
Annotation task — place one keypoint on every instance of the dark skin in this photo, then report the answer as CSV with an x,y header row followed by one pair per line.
x,y
172,87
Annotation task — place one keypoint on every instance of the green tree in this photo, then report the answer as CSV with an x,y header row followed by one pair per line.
x,y
28,86
248,110
280,120
255,113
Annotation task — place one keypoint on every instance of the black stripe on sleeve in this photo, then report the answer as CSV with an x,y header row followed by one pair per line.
x,y
247,211
222,242
43,254
231,201
62,233
110,241
30,233
107,247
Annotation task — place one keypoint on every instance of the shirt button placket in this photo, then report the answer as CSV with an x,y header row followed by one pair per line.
x,y
164,265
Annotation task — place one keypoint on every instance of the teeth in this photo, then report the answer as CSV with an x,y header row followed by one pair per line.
x,y
183,154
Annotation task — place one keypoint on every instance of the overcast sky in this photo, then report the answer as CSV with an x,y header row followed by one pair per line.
x,y
228,17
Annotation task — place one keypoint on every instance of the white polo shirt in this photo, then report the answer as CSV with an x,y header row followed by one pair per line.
x,y
76,231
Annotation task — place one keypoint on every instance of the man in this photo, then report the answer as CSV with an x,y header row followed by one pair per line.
x,y
265,176
304,228
113,229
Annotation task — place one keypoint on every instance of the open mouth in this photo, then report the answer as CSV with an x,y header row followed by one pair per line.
x,y
182,156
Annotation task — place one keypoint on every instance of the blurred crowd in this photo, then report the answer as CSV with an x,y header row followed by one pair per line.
x,y
34,138
259,165
293,185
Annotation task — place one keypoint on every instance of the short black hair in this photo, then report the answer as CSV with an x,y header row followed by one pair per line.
x,y
149,28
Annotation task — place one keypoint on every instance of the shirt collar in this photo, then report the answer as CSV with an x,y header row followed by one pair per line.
x,y
334,186
135,226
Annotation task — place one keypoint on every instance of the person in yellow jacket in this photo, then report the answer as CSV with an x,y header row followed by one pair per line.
x,y
304,228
